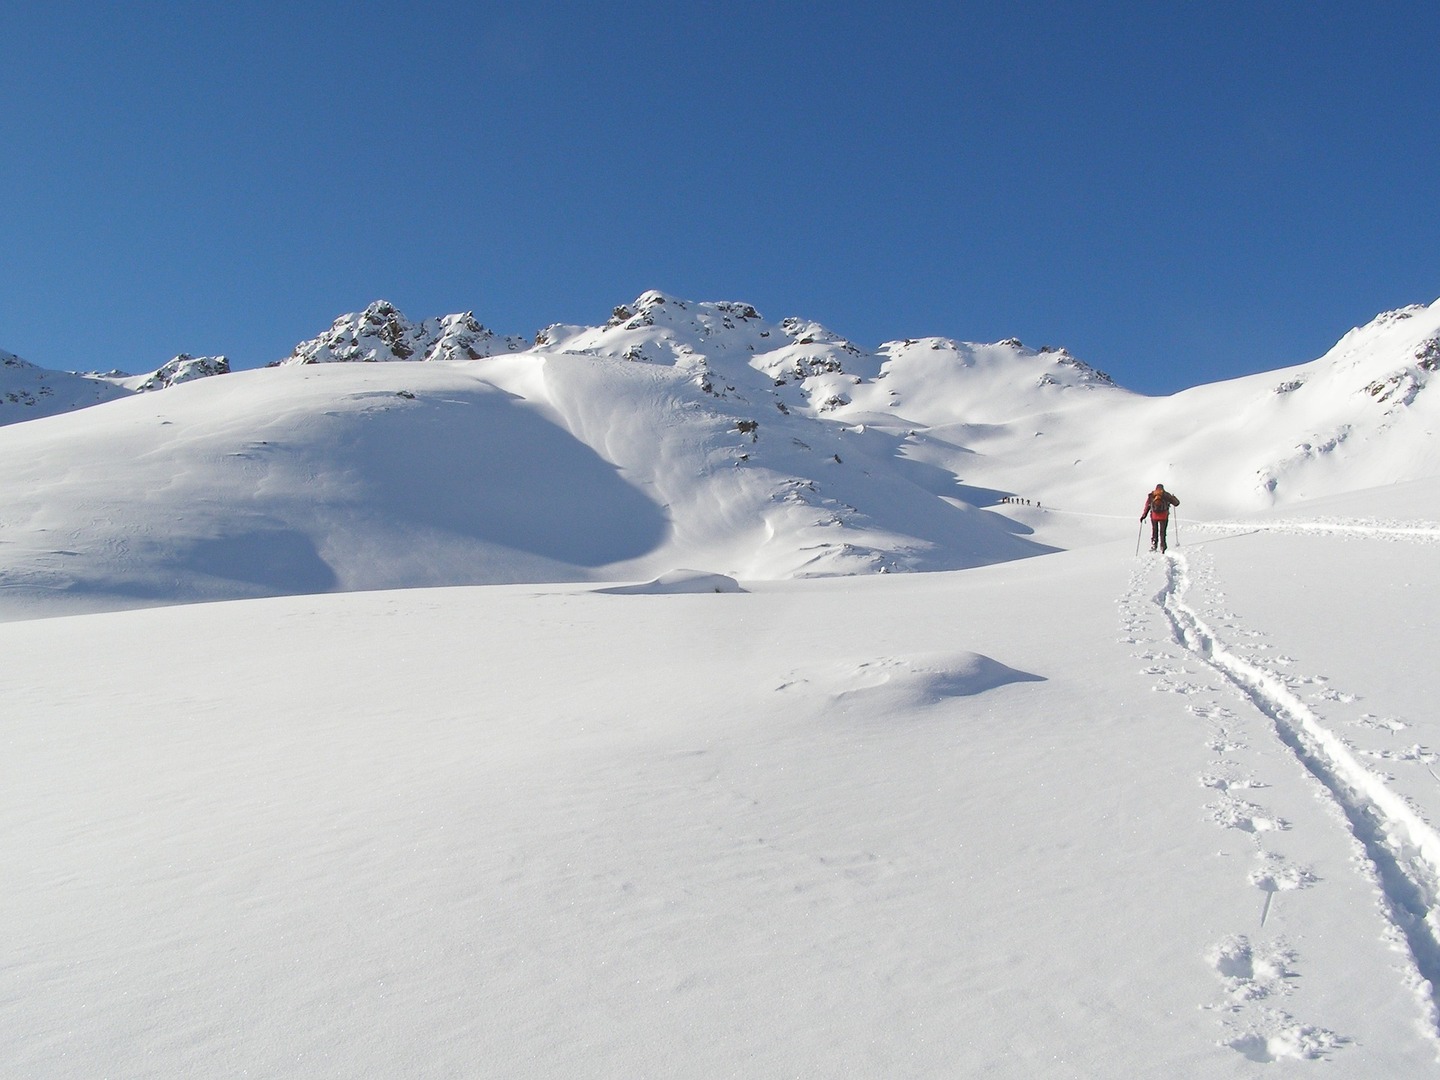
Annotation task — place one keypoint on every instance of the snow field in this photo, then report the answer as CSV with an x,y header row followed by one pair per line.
x,y
927,825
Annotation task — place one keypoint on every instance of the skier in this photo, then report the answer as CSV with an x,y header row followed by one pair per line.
x,y
1157,505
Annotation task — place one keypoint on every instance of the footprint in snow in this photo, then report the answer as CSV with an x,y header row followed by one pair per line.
x,y
1280,875
1233,813
1248,975
1279,1036
1409,753
1253,975
1211,711
1370,720
1181,687
1229,783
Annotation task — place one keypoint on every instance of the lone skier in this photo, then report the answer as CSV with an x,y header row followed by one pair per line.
x,y
1157,505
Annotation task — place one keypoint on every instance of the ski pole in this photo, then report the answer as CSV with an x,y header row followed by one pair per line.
x,y
1177,530
1138,537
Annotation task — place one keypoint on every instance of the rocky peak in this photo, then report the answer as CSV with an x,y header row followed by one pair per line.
x,y
806,332
382,334
1083,373
183,368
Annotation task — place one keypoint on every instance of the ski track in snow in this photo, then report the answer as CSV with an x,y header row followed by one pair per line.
x,y
1399,851
1367,528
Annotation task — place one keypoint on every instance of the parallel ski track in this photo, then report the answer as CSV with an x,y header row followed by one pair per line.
x,y
1402,847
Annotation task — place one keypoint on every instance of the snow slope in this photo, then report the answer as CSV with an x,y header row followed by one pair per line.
x,y
1077,815
1358,417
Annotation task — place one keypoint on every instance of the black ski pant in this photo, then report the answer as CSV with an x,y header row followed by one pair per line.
x,y
1158,527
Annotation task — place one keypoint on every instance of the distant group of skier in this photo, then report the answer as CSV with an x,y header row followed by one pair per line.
x,y
1157,508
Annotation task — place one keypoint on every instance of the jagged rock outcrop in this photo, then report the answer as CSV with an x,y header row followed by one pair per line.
x,y
381,334
183,368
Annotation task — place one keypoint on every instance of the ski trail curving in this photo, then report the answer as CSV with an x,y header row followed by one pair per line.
x,y
1403,849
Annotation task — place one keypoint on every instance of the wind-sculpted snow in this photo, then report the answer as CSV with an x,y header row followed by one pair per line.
x,y
787,812
305,480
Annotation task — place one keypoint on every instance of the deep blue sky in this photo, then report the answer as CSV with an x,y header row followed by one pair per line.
x,y
1177,192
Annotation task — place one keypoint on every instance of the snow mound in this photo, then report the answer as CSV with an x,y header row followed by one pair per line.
x,y
888,683
679,581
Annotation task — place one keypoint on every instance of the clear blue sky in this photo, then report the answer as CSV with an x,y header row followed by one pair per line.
x,y
1177,192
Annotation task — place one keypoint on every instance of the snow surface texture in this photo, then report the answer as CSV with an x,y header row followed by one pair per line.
x,y
1086,814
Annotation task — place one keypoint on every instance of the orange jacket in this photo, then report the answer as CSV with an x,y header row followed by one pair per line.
x,y
1158,503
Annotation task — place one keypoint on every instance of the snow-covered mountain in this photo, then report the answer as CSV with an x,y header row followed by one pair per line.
x,y
675,434
1357,417
381,334
28,392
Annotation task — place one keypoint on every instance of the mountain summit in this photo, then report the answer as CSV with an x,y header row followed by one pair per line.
x,y
381,334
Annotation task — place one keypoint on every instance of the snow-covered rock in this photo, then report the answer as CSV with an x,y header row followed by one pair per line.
x,y
381,333
182,369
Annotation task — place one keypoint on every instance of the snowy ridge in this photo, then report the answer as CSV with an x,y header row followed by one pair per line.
x,y
676,433
28,392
